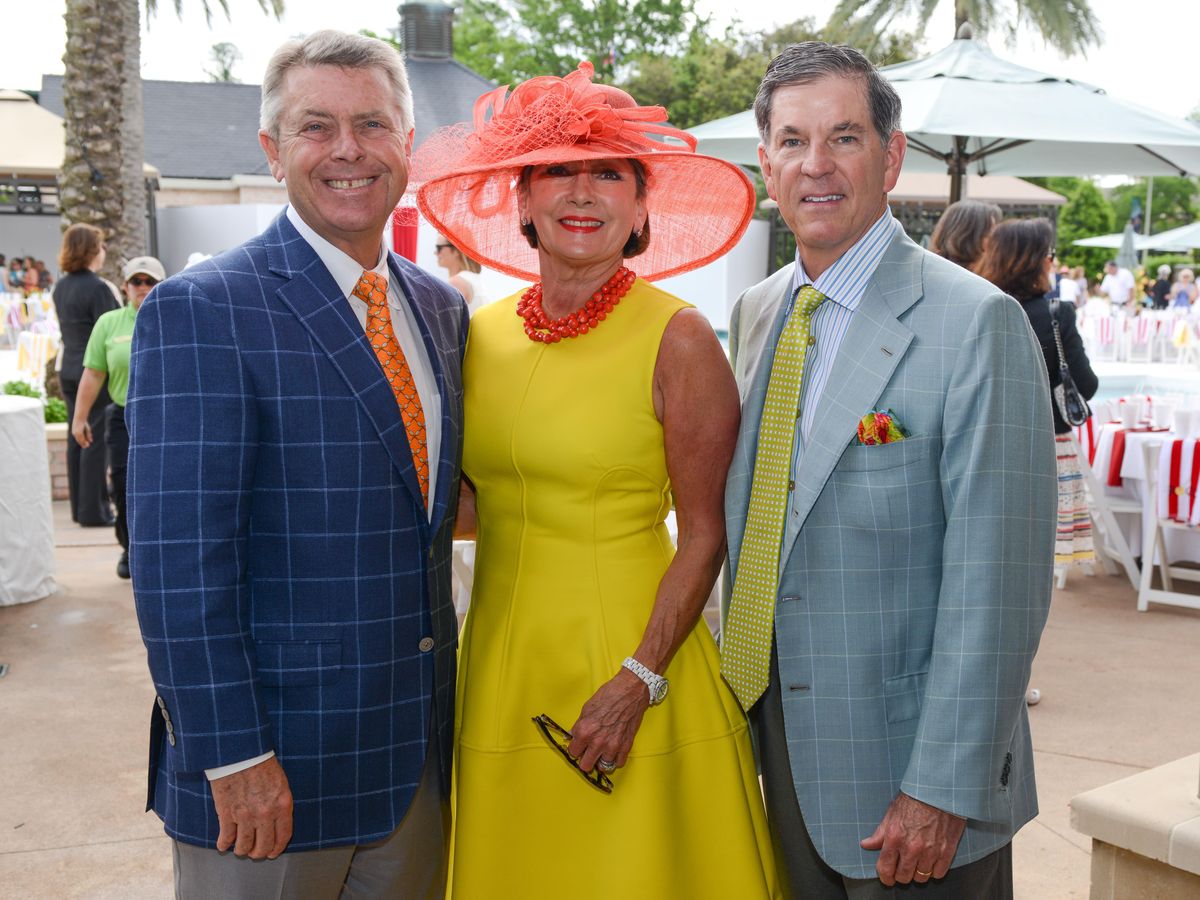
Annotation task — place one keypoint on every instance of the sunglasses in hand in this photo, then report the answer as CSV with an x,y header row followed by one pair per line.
x,y
560,739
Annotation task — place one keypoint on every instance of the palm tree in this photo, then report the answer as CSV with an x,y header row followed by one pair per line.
x,y
102,182
1069,26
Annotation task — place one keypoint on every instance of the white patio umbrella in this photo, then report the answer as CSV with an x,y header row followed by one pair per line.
x,y
967,110
1182,239
1127,255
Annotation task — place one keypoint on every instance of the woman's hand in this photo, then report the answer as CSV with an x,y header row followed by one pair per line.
x,y
609,721
82,432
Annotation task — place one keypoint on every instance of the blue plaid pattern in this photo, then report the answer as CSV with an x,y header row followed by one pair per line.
x,y
913,596
285,573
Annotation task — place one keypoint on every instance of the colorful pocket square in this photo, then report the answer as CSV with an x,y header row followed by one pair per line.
x,y
880,426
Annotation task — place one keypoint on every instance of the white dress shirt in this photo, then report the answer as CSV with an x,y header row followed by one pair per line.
x,y
346,273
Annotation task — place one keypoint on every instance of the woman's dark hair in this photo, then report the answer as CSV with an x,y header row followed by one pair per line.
x,y
80,244
638,240
962,231
1015,259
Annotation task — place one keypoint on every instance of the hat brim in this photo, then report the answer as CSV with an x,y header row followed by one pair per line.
x,y
699,207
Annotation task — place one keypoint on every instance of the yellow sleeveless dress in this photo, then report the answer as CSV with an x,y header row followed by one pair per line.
x,y
567,459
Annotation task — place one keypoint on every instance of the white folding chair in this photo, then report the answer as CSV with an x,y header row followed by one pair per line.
x,y
1154,546
1109,540
1139,339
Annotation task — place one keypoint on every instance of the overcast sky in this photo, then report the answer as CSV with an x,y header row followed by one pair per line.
x,y
1149,54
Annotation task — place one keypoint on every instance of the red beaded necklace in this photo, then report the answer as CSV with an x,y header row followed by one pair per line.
x,y
551,331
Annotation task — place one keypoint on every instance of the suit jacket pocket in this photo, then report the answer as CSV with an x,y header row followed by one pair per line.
x,y
879,457
902,696
298,663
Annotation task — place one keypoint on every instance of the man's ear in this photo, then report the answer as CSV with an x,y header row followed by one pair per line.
x,y
893,155
271,148
764,165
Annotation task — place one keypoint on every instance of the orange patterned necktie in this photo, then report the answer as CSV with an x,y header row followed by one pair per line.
x,y
372,289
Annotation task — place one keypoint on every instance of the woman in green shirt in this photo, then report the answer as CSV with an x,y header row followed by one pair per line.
x,y
107,356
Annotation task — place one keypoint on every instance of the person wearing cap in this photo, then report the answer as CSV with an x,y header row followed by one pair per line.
x,y
593,399
891,513
107,357
295,418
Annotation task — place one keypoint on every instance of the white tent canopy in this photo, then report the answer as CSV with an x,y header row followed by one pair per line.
x,y
966,110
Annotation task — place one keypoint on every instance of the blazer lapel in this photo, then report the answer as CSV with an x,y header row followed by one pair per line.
x,y
315,299
874,344
420,302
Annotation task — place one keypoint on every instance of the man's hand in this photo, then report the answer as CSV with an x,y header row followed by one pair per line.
x,y
254,808
916,841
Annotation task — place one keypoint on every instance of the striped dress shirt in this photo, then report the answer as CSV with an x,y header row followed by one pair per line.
x,y
844,283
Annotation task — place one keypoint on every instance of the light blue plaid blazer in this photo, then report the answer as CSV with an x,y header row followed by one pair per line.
x,y
291,592
912,601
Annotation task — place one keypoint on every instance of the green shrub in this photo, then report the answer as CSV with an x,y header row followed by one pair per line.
x,y
20,389
56,410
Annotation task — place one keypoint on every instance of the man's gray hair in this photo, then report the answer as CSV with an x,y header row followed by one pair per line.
x,y
811,61
332,48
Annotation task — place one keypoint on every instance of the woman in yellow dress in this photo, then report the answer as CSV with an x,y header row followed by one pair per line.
x,y
593,403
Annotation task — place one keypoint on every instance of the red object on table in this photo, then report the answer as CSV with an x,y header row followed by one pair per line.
x,y
1118,457
404,232
1173,479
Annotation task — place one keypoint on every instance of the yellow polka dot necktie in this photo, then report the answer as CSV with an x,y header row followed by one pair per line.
x,y
746,639
373,290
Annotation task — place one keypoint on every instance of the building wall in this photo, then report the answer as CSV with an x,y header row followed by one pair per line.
x,y
211,229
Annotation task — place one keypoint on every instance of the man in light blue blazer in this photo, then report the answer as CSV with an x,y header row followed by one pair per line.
x,y
915,561
295,413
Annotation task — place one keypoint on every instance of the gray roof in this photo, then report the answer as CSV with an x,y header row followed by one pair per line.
x,y
210,129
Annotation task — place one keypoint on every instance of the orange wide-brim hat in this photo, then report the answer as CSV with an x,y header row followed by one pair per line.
x,y
466,178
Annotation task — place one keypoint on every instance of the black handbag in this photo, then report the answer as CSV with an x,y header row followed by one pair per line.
x,y
1070,403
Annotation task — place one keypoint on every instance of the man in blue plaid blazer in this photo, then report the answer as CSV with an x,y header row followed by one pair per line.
x,y
914,575
292,583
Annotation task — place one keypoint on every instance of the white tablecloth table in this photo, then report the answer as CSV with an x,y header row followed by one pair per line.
x,y
1181,544
26,523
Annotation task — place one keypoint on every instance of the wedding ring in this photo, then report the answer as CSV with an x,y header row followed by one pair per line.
x,y
924,874
606,766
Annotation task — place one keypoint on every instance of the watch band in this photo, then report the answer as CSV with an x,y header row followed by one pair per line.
x,y
656,683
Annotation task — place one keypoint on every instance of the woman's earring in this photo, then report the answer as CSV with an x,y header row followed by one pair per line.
x,y
524,221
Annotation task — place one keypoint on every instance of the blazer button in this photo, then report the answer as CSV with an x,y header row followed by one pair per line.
x,y
426,644
171,738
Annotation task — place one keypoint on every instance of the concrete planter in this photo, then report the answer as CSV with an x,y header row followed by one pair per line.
x,y
56,450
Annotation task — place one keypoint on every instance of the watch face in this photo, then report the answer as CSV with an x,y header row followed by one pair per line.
x,y
658,693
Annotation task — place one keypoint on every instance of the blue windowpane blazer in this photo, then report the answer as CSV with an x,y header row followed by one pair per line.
x,y
292,593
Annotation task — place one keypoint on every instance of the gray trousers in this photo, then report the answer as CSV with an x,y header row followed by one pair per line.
x,y
409,864
804,874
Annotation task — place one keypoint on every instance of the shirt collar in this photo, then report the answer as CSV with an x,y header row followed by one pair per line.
x,y
341,265
846,280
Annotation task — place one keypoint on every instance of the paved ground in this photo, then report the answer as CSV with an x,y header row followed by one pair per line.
x,y
1118,691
